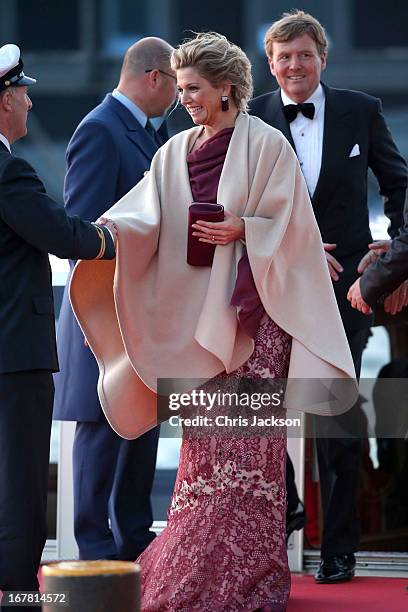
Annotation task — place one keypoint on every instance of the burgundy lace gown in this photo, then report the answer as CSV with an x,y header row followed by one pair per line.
x,y
224,548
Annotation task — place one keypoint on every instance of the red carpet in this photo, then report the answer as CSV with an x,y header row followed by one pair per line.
x,y
362,593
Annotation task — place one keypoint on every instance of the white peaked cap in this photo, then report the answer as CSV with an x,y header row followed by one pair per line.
x,y
11,68
9,58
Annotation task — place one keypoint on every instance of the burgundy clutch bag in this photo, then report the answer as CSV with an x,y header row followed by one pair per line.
x,y
201,253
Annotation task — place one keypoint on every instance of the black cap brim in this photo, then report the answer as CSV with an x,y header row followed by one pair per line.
x,y
25,81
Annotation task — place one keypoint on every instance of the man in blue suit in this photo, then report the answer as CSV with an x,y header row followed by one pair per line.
x,y
108,154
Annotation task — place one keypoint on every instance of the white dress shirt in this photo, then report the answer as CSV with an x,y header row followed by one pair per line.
x,y
307,136
4,140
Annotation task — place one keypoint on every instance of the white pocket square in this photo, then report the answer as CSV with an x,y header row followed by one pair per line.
x,y
355,151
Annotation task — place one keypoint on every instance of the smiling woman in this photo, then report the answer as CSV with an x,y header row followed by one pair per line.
x,y
214,85
238,323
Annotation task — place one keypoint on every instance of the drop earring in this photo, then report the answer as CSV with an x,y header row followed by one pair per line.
x,y
224,104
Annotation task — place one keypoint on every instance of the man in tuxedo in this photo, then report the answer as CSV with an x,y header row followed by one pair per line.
x,y
337,135
108,154
31,225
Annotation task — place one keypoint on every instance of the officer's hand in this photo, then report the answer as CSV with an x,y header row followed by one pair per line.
x,y
397,300
375,250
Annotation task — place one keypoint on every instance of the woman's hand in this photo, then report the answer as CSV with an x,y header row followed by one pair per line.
x,y
111,227
223,232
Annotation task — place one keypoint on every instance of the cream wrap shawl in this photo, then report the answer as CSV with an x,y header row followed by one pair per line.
x,y
153,316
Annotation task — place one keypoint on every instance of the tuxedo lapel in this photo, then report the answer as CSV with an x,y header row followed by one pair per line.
x,y
273,115
337,135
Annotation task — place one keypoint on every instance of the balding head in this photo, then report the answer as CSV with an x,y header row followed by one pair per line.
x,y
147,53
147,77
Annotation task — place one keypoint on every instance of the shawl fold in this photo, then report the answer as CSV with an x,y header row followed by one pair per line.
x,y
204,170
151,316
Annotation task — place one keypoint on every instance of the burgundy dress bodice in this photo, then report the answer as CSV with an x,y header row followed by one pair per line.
x,y
205,166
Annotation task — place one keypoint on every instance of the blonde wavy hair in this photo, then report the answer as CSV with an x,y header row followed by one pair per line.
x,y
217,60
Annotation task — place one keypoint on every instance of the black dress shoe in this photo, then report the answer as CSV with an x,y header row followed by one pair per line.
x,y
339,568
351,561
295,520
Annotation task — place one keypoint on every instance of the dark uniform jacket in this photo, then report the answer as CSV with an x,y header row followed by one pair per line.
x,y
31,226
388,272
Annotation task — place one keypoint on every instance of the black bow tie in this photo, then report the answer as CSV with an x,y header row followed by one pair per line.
x,y
291,110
